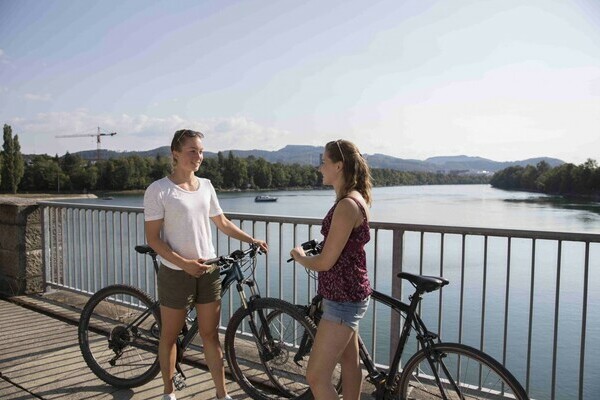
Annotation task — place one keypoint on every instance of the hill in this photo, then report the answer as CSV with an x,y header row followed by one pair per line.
x,y
310,155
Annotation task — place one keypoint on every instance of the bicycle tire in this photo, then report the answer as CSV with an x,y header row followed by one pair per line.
x,y
120,356
492,381
337,372
265,375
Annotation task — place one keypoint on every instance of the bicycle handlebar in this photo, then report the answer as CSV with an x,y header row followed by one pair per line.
x,y
236,255
216,262
311,247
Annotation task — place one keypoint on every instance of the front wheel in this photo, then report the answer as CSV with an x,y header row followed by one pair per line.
x,y
303,352
455,371
118,336
260,345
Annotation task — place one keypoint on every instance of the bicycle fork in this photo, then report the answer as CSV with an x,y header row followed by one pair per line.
x,y
263,338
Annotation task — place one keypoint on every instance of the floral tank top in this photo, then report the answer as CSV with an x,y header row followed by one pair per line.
x,y
347,280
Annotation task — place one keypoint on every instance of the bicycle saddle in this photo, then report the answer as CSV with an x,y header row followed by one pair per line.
x,y
424,283
143,249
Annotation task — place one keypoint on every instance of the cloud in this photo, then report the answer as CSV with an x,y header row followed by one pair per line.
x,y
37,97
138,132
3,58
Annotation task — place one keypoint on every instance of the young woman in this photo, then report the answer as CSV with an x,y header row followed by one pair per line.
x,y
177,212
343,280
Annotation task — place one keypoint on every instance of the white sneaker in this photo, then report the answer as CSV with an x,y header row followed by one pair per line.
x,y
227,397
168,397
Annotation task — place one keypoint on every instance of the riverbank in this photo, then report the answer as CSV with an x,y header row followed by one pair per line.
x,y
47,196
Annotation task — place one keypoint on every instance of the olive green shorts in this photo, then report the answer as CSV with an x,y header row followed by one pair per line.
x,y
177,289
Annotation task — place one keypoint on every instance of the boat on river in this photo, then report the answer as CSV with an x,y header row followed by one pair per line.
x,y
265,199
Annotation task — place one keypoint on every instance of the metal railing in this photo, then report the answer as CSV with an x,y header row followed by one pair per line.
x,y
521,296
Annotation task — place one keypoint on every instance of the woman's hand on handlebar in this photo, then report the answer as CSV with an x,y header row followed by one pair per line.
x,y
296,252
309,248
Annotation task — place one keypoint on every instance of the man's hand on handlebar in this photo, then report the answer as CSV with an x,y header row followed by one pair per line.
x,y
197,268
262,245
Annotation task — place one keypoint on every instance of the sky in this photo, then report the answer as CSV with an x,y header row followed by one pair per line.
x,y
501,79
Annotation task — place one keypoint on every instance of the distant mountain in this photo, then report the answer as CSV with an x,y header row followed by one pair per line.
x,y
311,155
457,163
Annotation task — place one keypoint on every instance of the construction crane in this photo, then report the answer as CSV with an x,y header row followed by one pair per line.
x,y
97,135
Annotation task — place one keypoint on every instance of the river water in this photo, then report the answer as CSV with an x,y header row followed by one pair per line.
x,y
458,205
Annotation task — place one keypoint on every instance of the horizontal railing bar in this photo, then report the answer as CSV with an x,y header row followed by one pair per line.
x,y
459,230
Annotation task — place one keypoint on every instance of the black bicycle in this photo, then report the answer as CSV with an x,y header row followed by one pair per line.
x,y
120,325
438,370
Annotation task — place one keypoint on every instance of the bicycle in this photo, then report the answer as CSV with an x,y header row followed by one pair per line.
x,y
120,325
438,370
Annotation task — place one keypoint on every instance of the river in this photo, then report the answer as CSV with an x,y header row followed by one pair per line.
x,y
458,205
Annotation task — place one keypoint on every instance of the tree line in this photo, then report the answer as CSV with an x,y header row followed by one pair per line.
x,y
72,173
75,174
566,179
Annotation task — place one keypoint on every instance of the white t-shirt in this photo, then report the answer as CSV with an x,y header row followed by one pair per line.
x,y
185,215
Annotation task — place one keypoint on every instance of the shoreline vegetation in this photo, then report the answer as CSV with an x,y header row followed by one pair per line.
x,y
569,181
73,174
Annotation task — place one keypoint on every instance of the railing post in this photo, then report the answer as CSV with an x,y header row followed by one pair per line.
x,y
397,253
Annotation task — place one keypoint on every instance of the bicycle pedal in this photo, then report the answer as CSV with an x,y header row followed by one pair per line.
x,y
179,381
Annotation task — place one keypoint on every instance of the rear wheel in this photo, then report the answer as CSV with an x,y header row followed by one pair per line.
x,y
262,360
464,373
118,336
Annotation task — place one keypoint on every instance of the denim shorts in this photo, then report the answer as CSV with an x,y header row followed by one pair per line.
x,y
346,313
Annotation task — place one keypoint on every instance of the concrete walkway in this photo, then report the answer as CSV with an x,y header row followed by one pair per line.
x,y
40,359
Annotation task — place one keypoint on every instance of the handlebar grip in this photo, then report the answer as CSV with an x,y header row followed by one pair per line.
x,y
311,244
311,247
213,261
311,251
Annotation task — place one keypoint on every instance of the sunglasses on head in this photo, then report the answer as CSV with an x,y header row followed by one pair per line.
x,y
340,149
189,133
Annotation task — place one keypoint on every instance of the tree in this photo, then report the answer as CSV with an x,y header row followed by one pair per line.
x,y
235,174
211,170
84,177
44,174
261,174
160,167
13,165
280,175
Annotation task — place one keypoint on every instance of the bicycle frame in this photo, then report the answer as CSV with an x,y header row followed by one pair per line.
x,y
384,382
412,321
